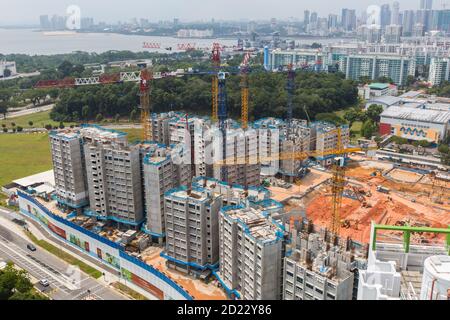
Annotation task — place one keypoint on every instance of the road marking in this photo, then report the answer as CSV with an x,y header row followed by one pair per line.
x,y
65,282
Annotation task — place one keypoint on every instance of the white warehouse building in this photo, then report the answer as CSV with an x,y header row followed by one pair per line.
x,y
415,123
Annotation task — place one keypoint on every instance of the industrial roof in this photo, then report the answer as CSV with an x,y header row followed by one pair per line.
x,y
43,177
411,94
387,100
379,86
417,114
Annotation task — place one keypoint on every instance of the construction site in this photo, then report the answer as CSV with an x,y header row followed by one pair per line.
x,y
374,191
318,176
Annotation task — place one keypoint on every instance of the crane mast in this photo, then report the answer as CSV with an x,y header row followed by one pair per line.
x,y
215,81
244,91
338,184
144,93
290,88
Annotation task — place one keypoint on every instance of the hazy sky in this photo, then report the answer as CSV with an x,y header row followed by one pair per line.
x,y
28,11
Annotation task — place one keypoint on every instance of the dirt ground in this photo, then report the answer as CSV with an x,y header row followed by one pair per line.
x,y
197,288
407,203
405,176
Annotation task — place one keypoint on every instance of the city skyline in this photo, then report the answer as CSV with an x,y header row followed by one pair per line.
x,y
22,12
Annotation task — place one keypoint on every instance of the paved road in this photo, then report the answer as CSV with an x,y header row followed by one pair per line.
x,y
65,284
25,112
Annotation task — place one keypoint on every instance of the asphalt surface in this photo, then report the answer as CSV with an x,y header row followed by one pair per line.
x,y
66,283
29,111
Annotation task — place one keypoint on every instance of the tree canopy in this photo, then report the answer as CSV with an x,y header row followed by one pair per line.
x,y
16,285
317,92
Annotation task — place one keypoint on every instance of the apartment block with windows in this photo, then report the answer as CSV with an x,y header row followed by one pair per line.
x,y
251,253
163,170
373,66
325,139
69,168
295,141
192,228
113,171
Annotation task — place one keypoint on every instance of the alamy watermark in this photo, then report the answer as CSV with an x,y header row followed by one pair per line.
x,y
73,21
373,19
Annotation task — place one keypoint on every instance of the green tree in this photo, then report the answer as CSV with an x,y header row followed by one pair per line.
x,y
374,111
3,109
65,68
16,285
133,115
19,129
30,123
410,80
99,118
7,73
369,129
48,127
354,114
85,112
61,125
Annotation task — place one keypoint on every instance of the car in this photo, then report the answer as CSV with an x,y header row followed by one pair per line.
x,y
44,282
31,247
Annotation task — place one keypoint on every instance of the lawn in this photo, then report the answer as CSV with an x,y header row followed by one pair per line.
x,y
22,155
134,135
40,119
128,291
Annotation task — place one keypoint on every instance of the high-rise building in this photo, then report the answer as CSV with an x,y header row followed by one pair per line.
x,y
325,138
306,19
192,228
385,15
426,4
373,66
45,22
348,19
393,33
408,22
296,141
439,70
251,253
395,17
418,30
114,177
369,33
443,20
241,152
164,169
69,169
332,22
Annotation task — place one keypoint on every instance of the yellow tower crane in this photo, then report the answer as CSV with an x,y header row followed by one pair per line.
x,y
244,91
145,88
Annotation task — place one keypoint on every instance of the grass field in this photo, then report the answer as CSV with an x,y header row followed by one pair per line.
x,y
128,291
22,155
134,135
40,119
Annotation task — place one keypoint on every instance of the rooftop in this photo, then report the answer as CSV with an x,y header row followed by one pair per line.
x,y
46,177
255,223
416,114
387,100
379,86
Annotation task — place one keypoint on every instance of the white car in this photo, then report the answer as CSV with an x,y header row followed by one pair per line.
x,y
44,283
